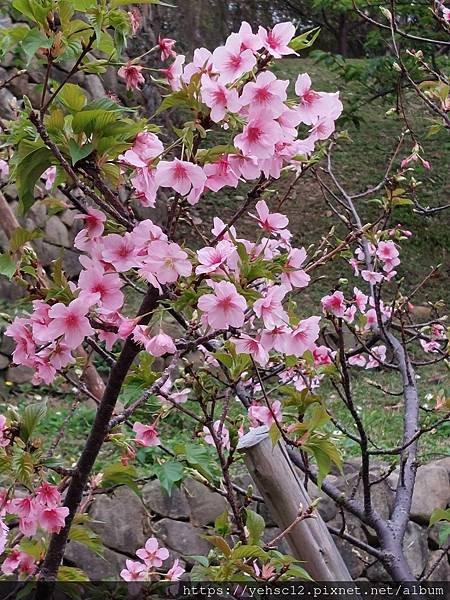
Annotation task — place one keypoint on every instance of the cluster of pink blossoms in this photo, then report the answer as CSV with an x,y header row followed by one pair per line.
x,y
41,510
152,558
229,82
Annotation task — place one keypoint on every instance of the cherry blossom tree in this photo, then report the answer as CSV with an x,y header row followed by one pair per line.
x,y
236,300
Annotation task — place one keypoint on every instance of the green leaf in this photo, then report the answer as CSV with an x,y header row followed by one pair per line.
x,y
248,551
32,547
83,535
35,11
115,3
31,417
7,266
169,474
439,514
71,574
202,560
222,523
33,41
255,525
20,237
444,534
274,434
199,457
88,121
305,40
72,97
22,466
119,474
298,572
29,169
325,453
220,543
78,152
84,4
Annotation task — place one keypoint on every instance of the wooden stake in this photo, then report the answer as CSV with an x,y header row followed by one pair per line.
x,y
284,494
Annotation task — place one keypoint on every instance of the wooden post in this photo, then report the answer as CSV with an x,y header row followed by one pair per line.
x,y
283,491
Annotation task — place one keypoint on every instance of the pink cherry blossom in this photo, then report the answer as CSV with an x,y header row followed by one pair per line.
x,y
145,185
22,507
220,174
174,72
322,128
146,146
259,136
12,561
219,99
270,222
180,397
135,571
247,39
21,334
276,40
48,495
334,304
201,63
266,93
252,346
377,358
180,175
152,554
314,104
322,355
107,285
360,299
132,75
4,169
70,322
52,519
28,525
4,441
27,564
212,258
430,346
146,435
222,434
49,177
372,276
358,360
3,535
224,308
232,62
175,571
246,166
263,415
269,307
166,47
135,19
303,337
58,354
166,261
119,251
146,232
94,221
219,226
160,344
294,276
275,338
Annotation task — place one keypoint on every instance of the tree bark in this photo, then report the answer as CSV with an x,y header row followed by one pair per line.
x,y
91,450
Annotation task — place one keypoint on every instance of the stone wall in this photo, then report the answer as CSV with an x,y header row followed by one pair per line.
x,y
124,521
